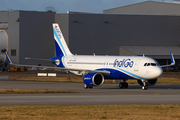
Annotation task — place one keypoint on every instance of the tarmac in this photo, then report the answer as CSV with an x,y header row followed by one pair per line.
x,y
106,94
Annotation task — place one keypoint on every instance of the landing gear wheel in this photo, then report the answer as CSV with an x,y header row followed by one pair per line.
x,y
85,86
144,87
123,85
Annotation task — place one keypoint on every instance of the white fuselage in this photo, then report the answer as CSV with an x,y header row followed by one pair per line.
x,y
121,67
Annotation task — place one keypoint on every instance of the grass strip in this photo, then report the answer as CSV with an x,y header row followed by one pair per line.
x,y
3,91
161,80
94,112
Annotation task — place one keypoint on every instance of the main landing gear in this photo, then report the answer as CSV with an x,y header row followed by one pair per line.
x,y
123,84
86,87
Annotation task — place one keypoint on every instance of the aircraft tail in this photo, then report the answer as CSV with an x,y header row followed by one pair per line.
x,y
60,44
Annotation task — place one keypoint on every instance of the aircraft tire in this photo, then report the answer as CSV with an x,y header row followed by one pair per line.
x,y
85,86
125,85
121,85
144,87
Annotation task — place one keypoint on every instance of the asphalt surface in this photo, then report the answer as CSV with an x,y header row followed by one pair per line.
x,y
107,94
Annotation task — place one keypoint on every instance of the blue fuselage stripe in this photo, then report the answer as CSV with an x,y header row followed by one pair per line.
x,y
131,74
117,73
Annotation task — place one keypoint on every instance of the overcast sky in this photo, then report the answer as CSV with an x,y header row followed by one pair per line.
x,y
62,6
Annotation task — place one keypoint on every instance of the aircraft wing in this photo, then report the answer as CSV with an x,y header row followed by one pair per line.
x,y
64,69
27,58
172,61
59,68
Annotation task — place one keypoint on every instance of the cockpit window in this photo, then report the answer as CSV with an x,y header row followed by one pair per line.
x,y
150,64
153,64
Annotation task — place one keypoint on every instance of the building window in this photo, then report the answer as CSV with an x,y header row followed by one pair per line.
x,y
13,52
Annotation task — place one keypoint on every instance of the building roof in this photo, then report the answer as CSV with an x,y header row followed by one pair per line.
x,y
148,8
153,50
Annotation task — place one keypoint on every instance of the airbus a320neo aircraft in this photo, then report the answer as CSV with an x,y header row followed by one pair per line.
x,y
95,69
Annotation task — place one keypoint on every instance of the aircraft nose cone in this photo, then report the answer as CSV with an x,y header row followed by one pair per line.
x,y
158,72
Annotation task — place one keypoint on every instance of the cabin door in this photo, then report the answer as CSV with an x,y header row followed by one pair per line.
x,y
106,64
136,64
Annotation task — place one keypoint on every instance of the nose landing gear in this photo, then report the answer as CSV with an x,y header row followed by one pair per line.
x,y
144,87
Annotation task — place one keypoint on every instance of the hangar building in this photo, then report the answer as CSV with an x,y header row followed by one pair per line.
x,y
148,8
112,33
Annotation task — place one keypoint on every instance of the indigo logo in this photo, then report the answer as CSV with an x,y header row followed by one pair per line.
x,y
124,63
59,33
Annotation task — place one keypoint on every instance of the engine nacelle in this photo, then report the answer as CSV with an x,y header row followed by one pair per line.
x,y
93,79
148,83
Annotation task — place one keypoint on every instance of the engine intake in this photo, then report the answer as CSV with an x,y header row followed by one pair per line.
x,y
148,83
93,79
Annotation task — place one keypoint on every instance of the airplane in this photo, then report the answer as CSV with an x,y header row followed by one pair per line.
x,y
95,69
